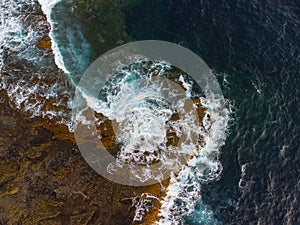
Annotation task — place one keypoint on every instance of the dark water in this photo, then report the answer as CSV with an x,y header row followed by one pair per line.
x,y
254,49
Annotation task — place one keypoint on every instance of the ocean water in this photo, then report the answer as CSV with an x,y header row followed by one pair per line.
x,y
253,47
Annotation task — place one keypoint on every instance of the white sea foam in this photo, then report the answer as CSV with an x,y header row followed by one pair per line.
x,y
47,6
20,29
125,103
142,105
13,35
243,174
184,190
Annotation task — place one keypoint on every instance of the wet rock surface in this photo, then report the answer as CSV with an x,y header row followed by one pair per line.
x,y
45,180
43,177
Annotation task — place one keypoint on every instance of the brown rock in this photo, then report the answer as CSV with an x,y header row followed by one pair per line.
x,y
45,180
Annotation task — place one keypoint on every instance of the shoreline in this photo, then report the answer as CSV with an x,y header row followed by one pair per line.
x,y
54,148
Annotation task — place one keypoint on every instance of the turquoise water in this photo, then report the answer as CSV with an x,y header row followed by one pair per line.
x,y
253,48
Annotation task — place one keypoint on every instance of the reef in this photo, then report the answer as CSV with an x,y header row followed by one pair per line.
x,y
45,180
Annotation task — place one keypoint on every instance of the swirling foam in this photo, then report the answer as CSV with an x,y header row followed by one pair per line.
x,y
28,73
17,35
142,105
184,190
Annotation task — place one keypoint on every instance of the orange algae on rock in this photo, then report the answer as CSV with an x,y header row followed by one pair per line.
x,y
45,42
41,163
57,186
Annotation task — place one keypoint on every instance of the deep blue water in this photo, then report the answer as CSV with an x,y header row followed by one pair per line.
x,y
254,49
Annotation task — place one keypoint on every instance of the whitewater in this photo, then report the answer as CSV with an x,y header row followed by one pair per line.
x,y
184,191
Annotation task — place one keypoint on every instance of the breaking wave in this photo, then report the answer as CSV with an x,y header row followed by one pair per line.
x,y
144,115
47,6
154,107
184,191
